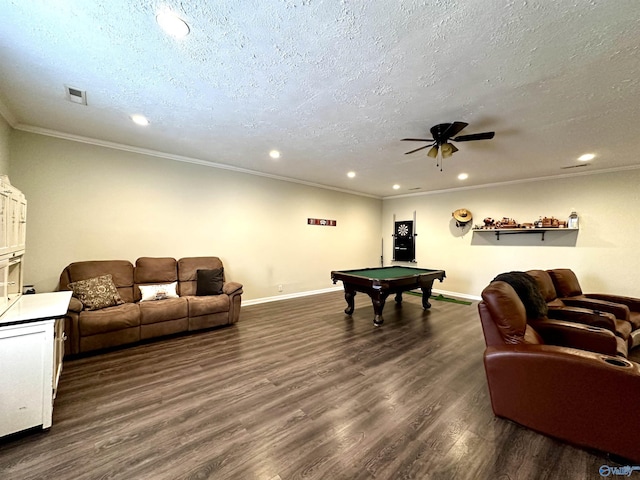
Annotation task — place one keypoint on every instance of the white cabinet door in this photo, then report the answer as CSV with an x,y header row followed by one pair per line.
x,y
26,376
4,218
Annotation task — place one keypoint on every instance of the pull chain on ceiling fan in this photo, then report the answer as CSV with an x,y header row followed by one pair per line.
x,y
442,136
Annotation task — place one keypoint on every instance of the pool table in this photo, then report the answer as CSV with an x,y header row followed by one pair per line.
x,y
380,282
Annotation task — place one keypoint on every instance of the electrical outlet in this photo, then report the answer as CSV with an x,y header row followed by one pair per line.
x,y
280,287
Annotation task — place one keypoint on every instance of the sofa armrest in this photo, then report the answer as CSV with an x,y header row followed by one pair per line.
x,y
584,316
632,303
71,330
620,311
75,305
234,290
576,335
232,287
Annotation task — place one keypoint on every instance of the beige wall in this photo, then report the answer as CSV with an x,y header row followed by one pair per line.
x,y
5,133
604,253
90,202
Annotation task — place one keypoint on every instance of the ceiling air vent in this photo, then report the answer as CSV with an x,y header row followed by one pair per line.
x,y
76,95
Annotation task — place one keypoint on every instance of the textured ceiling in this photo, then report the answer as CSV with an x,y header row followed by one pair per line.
x,y
334,85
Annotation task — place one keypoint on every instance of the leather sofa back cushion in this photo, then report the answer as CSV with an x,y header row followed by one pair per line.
x,y
121,272
188,272
545,284
566,282
508,313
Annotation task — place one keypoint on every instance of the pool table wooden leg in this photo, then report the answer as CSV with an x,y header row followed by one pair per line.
x,y
348,296
378,299
426,293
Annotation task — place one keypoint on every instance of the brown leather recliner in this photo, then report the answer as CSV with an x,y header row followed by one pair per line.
x,y
573,395
568,288
597,314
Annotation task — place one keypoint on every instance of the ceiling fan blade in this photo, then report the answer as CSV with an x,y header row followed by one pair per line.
x,y
454,129
474,136
418,139
421,148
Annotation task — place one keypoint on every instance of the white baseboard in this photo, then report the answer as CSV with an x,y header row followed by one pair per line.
x,y
288,296
277,298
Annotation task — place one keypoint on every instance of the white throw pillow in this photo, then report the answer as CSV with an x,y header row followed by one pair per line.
x,y
158,292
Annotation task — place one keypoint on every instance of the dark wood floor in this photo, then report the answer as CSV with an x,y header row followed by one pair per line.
x,y
296,390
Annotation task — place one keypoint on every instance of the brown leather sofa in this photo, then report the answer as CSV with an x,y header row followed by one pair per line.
x,y
570,394
133,320
627,310
596,314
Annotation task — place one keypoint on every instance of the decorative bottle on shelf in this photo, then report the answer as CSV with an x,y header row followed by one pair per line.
x,y
573,220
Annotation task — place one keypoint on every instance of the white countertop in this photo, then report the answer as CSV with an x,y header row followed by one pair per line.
x,y
40,306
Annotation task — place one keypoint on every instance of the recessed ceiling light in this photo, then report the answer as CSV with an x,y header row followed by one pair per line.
x,y
274,154
172,24
140,120
586,157
351,174
463,176
396,187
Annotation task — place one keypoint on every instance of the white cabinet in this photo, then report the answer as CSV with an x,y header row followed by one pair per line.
x,y
31,328
17,221
31,342
5,198
26,376
13,230
13,218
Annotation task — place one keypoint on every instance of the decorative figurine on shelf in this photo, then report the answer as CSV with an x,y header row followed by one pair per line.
x,y
489,222
573,220
507,223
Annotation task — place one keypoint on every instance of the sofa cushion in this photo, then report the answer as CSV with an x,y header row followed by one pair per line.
x,y
154,271
121,272
565,282
188,272
207,305
110,319
96,293
158,292
163,310
545,284
209,282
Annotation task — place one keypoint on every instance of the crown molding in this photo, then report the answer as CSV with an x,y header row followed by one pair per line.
x,y
7,115
515,182
177,158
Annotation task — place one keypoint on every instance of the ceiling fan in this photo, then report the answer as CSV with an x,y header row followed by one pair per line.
x,y
443,134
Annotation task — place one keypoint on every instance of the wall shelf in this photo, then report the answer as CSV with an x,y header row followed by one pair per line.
x,y
514,231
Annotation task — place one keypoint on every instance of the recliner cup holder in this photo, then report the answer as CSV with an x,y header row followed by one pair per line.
x,y
617,362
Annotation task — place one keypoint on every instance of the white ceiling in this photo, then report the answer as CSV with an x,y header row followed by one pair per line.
x,y
334,85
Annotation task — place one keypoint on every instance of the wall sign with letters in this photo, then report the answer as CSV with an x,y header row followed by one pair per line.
x,y
321,221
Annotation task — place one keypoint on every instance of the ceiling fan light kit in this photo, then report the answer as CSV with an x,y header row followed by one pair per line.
x,y
443,134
